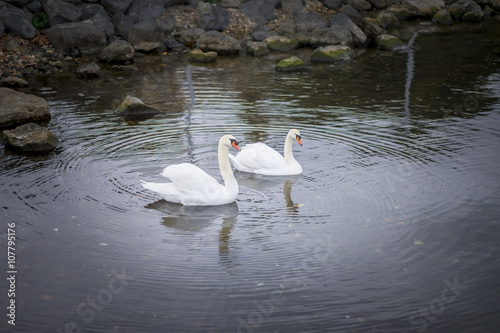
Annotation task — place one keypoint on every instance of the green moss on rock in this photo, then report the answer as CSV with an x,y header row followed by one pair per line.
x,y
290,64
331,53
198,55
389,42
281,43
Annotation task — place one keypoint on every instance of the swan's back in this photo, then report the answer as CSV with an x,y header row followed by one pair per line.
x,y
260,158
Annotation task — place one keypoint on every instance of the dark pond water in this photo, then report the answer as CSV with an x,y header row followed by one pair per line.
x,y
393,226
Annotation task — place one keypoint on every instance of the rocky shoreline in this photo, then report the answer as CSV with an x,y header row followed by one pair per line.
x,y
81,36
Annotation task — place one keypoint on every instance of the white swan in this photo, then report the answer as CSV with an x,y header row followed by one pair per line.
x,y
262,159
192,186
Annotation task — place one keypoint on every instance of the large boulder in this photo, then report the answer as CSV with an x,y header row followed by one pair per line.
x,y
15,21
146,35
122,24
119,51
370,29
331,36
211,17
31,138
60,11
302,23
19,108
218,42
77,38
342,21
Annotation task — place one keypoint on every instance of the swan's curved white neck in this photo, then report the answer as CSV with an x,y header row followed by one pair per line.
x,y
288,154
225,167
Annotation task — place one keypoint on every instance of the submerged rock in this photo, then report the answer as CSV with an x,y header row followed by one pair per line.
x,y
198,55
31,138
290,64
389,42
17,108
133,107
88,70
331,53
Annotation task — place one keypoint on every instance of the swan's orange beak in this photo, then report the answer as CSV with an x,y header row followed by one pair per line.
x,y
235,145
298,139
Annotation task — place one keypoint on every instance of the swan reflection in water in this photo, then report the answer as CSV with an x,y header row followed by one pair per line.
x,y
270,185
197,218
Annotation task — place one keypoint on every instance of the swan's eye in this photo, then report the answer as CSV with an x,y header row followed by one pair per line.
x,y
235,144
297,137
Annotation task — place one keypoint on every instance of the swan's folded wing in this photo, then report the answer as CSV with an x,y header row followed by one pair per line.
x,y
191,180
259,156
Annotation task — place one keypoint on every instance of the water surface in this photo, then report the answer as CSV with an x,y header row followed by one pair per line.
x,y
392,227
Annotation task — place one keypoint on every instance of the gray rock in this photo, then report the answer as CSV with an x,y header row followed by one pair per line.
x,y
122,24
306,22
88,10
31,138
474,16
16,22
459,8
291,6
218,42
172,44
119,51
13,82
257,49
404,11
59,11
145,10
133,107
427,8
333,4
290,64
331,53
258,8
104,24
261,34
443,18
360,5
2,28
230,3
341,22
18,108
387,20
389,42
88,70
331,36
190,35
77,38
198,55
146,36
115,6
380,4
169,24
281,43
211,17
370,29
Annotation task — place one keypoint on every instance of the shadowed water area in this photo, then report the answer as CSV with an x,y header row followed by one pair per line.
x,y
392,227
